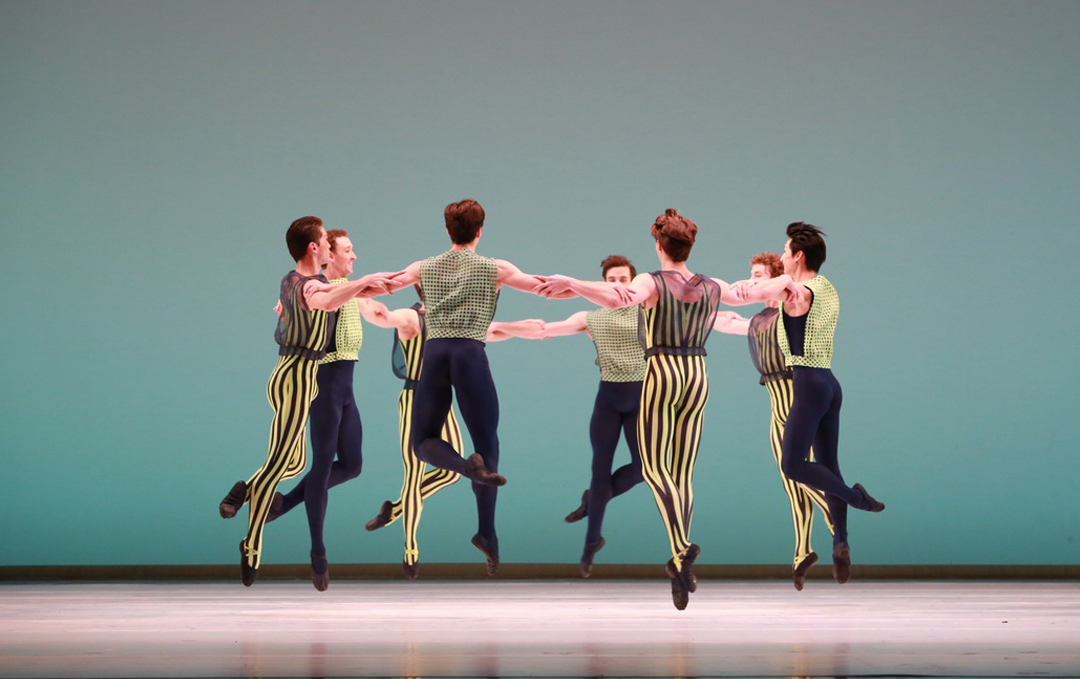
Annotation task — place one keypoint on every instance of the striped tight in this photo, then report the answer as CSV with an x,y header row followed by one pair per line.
x,y
673,398
290,391
802,498
418,486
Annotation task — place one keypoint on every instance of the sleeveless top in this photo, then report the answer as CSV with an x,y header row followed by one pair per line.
x,y
407,356
459,292
301,331
348,334
764,349
680,321
820,325
618,347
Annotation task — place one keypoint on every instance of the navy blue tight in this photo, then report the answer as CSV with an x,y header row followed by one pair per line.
x,y
459,367
335,432
615,413
814,420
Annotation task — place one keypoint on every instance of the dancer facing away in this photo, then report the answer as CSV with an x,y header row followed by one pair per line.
x,y
460,291
334,421
765,352
308,303
622,369
409,336
809,308
678,311
407,361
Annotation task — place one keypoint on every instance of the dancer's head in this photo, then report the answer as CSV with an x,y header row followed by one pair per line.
x,y
464,219
675,234
766,265
805,248
340,263
617,269
307,236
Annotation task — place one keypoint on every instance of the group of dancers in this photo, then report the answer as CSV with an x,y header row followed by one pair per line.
x,y
650,332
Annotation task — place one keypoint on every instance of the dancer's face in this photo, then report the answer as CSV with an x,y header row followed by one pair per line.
x,y
341,258
787,259
758,271
618,274
322,249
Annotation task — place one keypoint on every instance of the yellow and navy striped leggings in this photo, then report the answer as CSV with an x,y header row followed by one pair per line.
x,y
290,391
802,498
673,398
418,485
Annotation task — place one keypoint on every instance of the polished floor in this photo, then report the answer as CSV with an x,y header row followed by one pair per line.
x,y
540,628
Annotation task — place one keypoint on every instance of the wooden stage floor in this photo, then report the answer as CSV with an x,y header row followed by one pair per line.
x,y
540,628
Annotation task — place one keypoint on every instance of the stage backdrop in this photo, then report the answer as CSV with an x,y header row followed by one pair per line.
x,y
155,153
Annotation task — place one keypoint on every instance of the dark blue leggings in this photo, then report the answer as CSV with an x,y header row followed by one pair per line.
x,y
459,367
615,412
814,420
335,432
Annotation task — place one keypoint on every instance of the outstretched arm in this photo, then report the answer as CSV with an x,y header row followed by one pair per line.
x,y
530,328
405,321
538,329
781,289
571,326
410,275
330,297
642,290
731,323
374,312
512,276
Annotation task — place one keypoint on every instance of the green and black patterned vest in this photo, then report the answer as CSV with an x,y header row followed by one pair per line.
x,y
349,332
460,294
618,348
820,327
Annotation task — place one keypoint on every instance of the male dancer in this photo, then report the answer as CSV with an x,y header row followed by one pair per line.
x,y
303,330
460,291
809,307
407,362
776,377
678,311
335,420
409,336
622,369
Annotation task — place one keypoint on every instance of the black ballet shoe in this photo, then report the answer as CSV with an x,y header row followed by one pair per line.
x,y
680,596
591,548
841,562
247,573
798,573
685,576
277,507
320,580
232,502
478,472
411,571
687,572
872,505
382,518
581,512
481,543
692,553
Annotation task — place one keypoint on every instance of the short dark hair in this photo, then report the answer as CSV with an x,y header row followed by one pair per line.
x,y
769,260
613,261
302,233
807,239
675,233
464,219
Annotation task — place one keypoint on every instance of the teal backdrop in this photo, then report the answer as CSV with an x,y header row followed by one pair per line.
x,y
154,153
